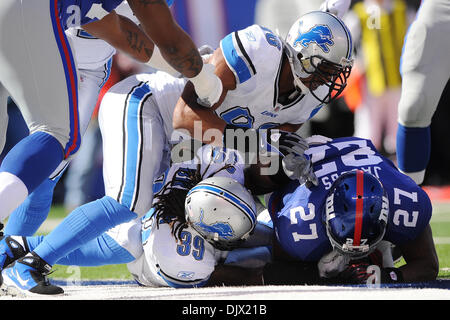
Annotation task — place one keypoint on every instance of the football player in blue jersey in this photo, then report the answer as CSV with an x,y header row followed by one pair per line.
x,y
361,202
37,69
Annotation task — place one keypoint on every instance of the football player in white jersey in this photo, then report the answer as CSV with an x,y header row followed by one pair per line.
x,y
136,123
270,82
195,232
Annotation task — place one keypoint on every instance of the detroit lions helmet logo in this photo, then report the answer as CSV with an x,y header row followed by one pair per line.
x,y
224,230
320,34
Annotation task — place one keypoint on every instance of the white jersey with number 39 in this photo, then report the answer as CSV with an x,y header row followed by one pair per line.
x,y
190,261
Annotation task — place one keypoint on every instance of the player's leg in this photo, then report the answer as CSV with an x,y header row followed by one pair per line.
x,y
133,141
425,72
37,68
124,247
29,216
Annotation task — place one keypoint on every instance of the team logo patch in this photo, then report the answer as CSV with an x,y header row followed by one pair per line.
x,y
186,274
320,34
224,230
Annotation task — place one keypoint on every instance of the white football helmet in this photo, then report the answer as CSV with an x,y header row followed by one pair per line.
x,y
222,211
319,49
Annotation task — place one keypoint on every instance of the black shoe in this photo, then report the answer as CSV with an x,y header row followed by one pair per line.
x,y
28,275
11,250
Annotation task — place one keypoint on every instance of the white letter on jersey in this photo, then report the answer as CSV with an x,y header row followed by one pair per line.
x,y
97,11
74,20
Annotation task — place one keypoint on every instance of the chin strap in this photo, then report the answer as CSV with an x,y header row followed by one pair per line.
x,y
297,79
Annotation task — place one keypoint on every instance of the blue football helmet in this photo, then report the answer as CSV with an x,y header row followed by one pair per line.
x,y
356,213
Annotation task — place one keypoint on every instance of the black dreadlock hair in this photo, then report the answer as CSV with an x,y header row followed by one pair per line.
x,y
170,204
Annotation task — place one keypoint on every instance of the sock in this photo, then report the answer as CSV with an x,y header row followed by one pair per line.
x,y
102,250
30,215
413,148
82,225
33,159
12,193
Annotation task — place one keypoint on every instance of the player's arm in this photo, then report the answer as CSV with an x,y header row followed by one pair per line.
x,y
188,113
422,262
123,34
176,46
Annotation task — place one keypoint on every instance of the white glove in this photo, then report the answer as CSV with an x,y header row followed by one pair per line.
x,y
317,139
331,264
206,52
207,86
336,7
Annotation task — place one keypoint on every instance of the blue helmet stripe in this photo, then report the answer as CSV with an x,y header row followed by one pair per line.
x,y
235,200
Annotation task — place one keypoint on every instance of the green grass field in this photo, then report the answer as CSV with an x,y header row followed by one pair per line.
x,y
440,225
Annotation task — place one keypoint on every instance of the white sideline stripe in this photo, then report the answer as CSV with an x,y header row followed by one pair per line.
x,y
441,240
134,292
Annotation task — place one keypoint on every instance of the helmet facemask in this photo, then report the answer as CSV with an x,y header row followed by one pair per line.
x,y
319,50
315,71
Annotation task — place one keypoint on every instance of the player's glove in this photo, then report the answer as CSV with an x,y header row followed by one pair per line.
x,y
291,148
332,263
358,272
336,7
207,86
205,51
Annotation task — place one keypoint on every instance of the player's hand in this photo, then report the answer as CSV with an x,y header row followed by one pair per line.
x,y
317,139
336,7
299,167
291,147
207,86
332,263
205,51
356,272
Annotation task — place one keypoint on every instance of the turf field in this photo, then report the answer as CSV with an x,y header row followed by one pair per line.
x,y
440,224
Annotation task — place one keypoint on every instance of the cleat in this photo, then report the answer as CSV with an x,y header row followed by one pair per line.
x,y
28,276
11,250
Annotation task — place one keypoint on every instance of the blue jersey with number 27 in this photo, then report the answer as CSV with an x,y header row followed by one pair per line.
x,y
297,212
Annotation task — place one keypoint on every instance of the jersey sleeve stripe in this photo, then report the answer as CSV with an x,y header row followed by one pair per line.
x,y
236,57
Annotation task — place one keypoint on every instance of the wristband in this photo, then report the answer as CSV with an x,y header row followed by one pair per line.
x,y
391,275
158,62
